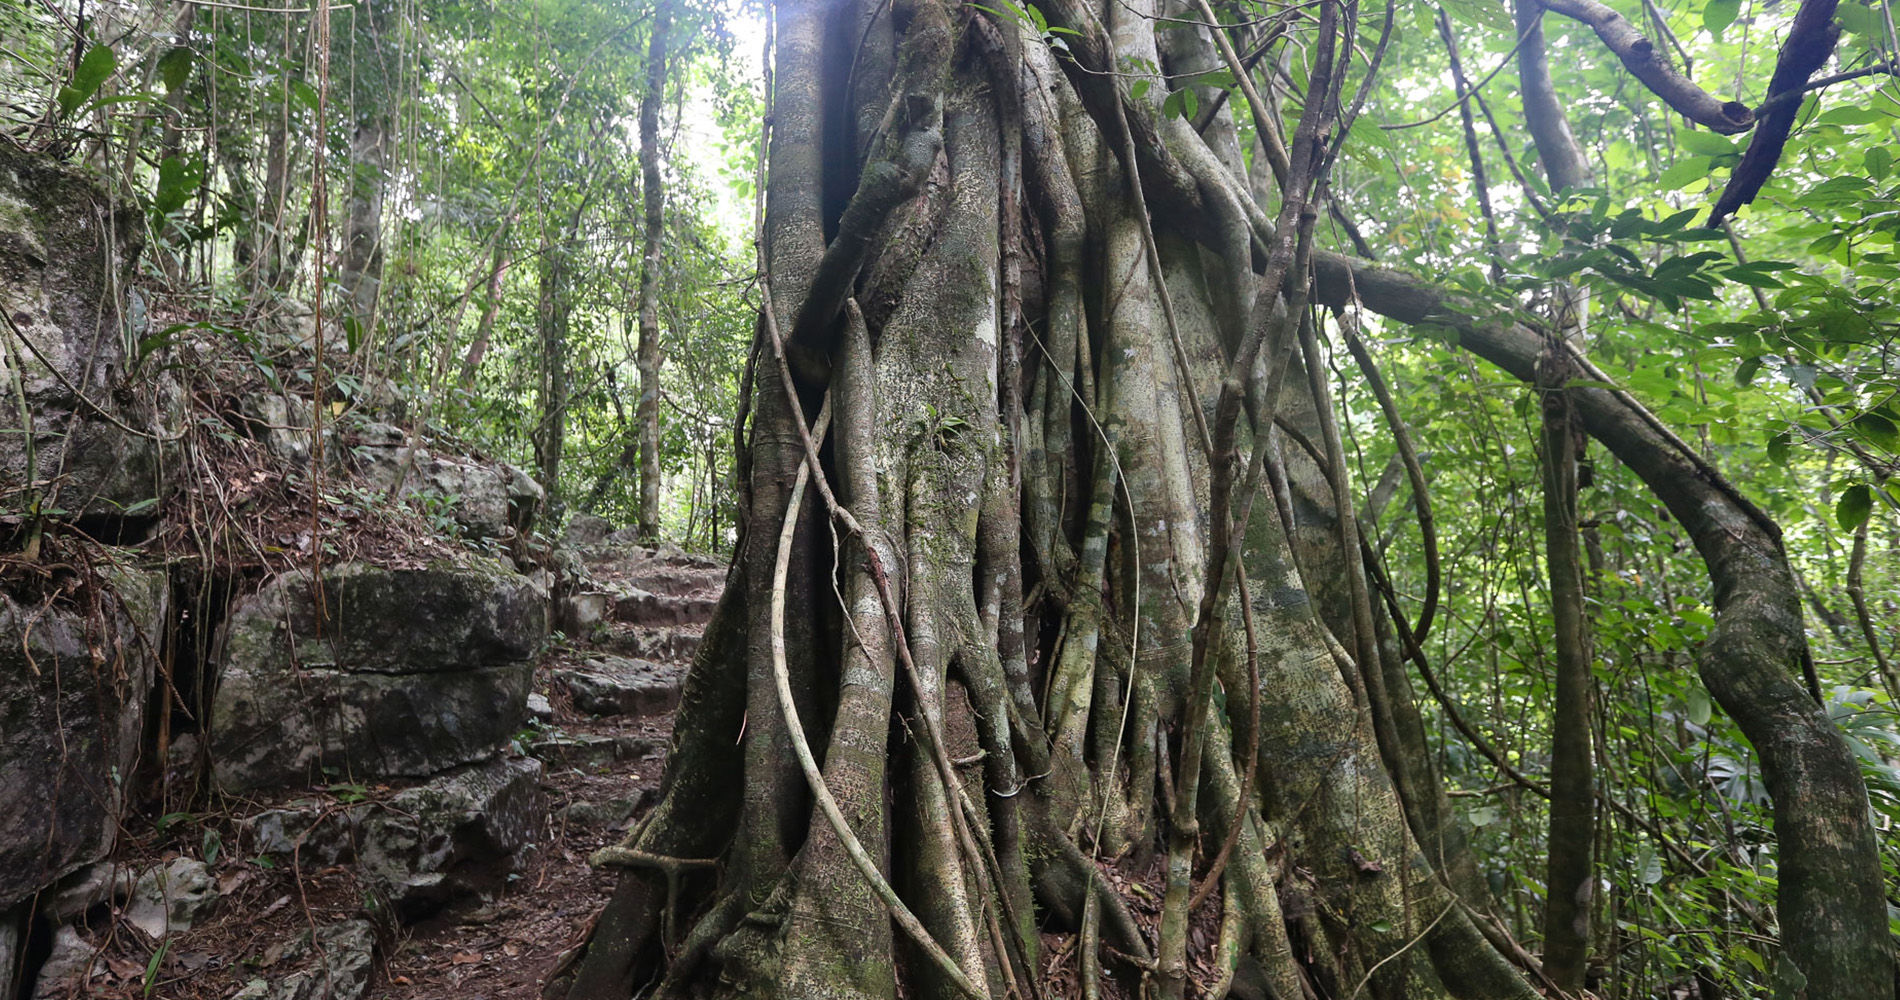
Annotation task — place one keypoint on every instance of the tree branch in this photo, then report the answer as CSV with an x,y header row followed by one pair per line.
x,y
1639,56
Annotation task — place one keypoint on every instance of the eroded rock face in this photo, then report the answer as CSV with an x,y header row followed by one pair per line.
x,y
66,250
410,671
73,689
454,838
485,499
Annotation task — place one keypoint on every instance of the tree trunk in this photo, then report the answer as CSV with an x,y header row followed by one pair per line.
x,y
491,307
1570,879
551,315
653,192
362,276
994,702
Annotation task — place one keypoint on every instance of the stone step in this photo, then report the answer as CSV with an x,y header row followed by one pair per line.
x,y
615,685
639,607
665,645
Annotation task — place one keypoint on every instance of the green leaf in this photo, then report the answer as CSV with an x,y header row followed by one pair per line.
x,y
1702,143
1878,161
305,94
1858,20
1482,13
1877,429
174,68
1719,14
95,67
1790,982
1484,815
1852,116
1855,505
1649,867
1778,448
177,182
1686,170
1699,708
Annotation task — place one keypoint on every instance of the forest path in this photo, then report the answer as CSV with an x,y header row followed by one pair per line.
x,y
602,735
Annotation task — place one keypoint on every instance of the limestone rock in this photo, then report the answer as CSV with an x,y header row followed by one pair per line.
x,y
613,685
170,898
415,671
539,707
641,607
578,614
73,689
282,424
66,251
455,837
584,530
312,833
344,953
666,645
166,899
588,752
277,726
613,813
486,499
69,966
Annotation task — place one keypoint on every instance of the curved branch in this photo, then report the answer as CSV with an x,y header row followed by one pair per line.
x,y
1639,56
1832,906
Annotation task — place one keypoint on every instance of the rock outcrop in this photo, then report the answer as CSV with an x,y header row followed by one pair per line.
x,y
66,252
74,681
405,673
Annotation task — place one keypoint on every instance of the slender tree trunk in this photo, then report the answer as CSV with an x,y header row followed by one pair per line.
x,y
362,276
1570,878
551,317
653,193
491,308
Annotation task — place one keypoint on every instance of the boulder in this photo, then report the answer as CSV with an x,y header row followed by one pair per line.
x,y
66,256
614,813
613,685
313,833
640,607
588,752
166,899
281,423
579,614
485,499
413,671
73,688
69,967
584,530
454,838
